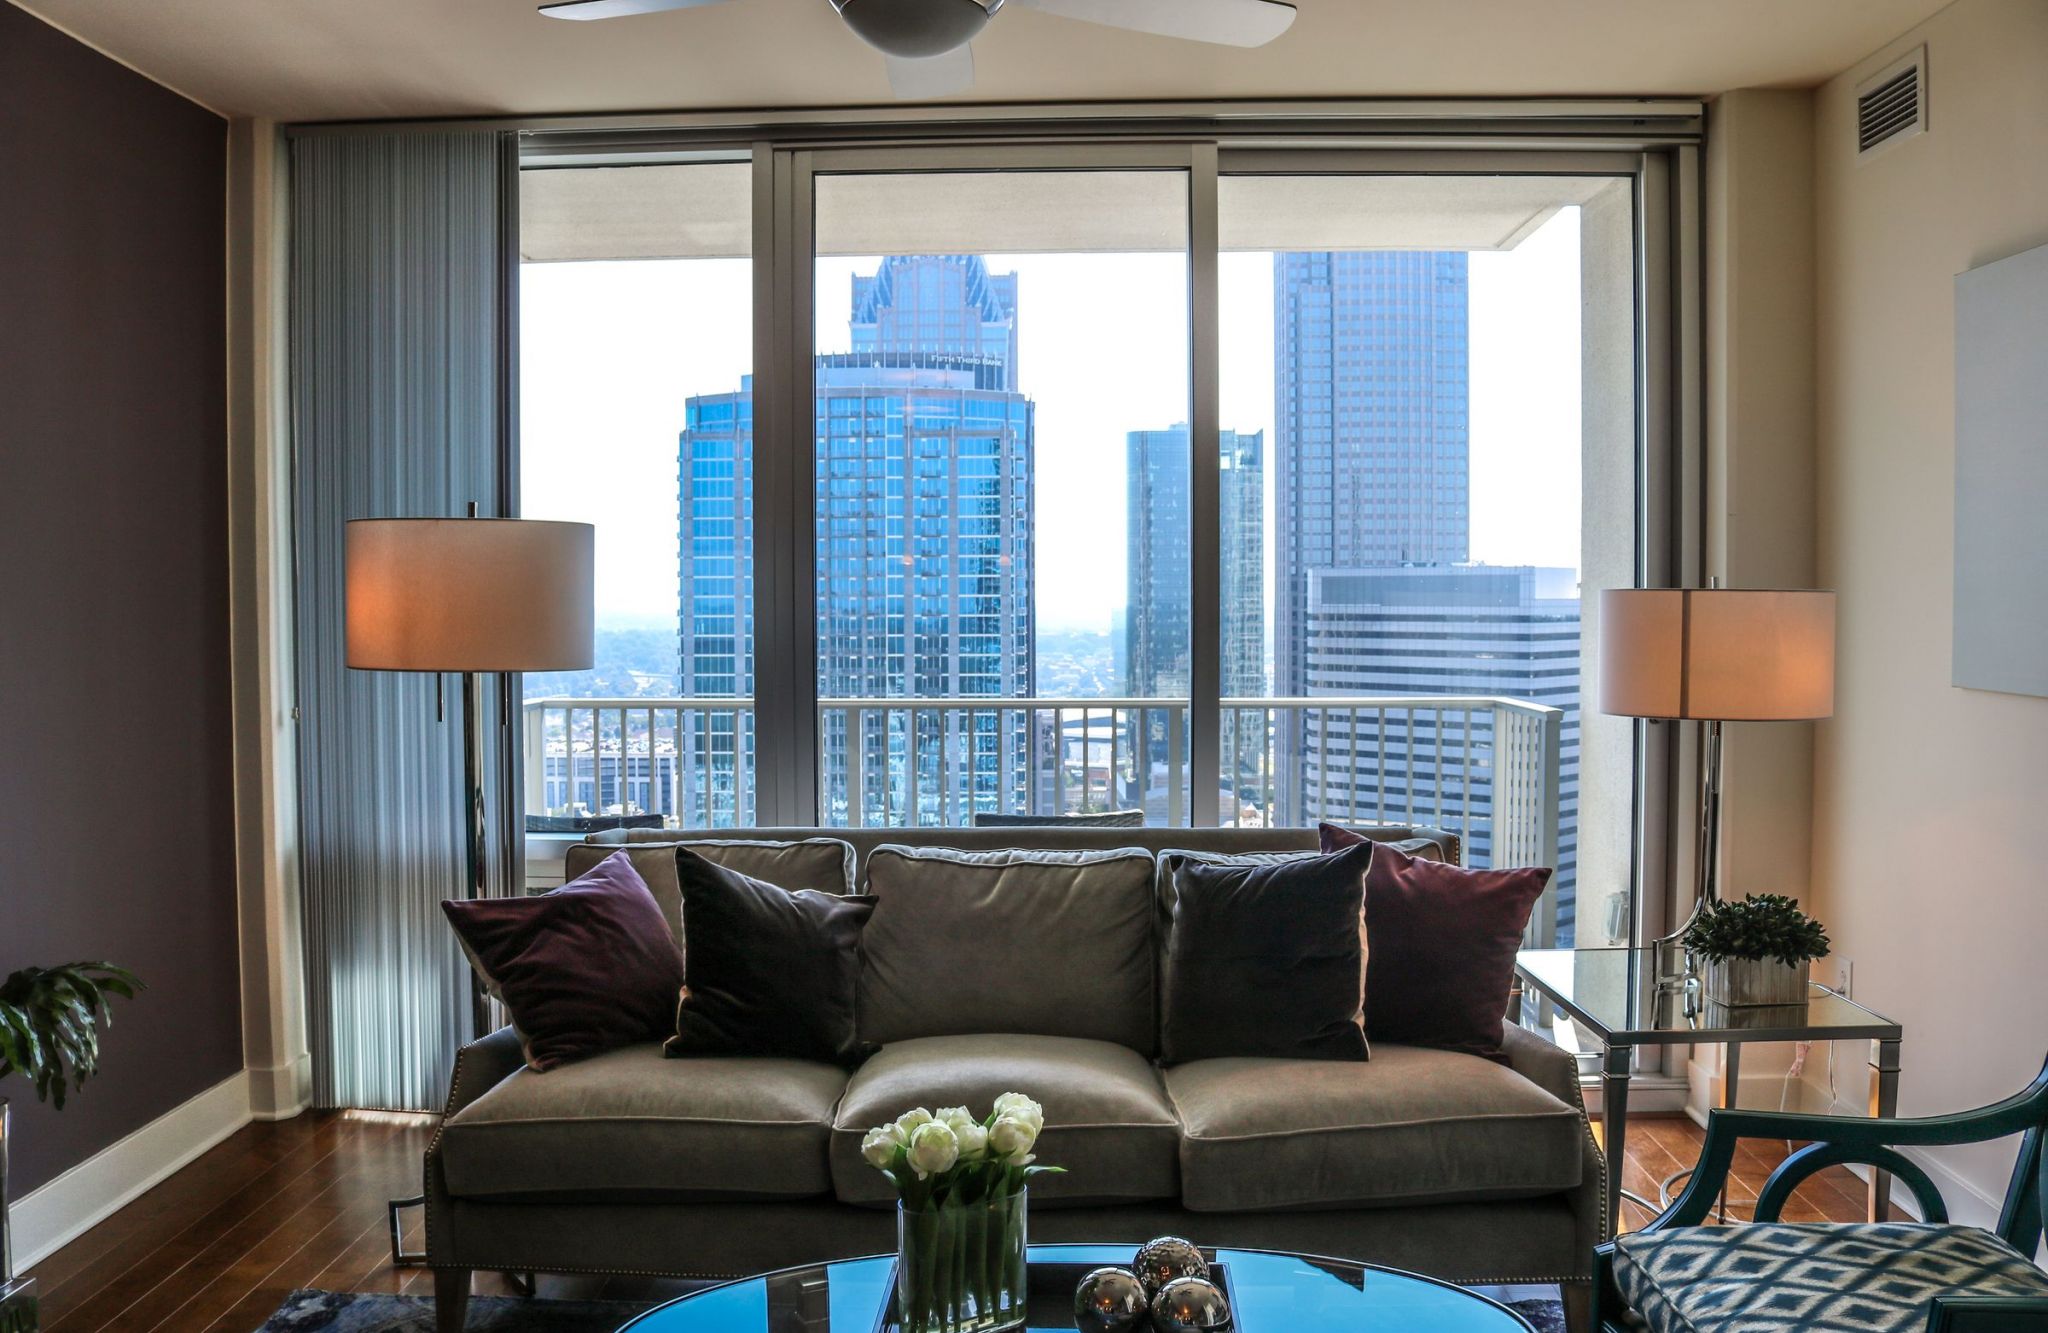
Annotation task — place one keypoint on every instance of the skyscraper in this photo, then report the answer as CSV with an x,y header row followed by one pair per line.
x,y
924,543
944,305
1372,528
1370,368
1156,637
1508,631
715,501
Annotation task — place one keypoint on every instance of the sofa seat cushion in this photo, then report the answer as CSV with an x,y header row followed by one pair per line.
x,y
1814,1277
629,1124
1107,1120
1408,1126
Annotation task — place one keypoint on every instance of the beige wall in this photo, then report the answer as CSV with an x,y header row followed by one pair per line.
x,y
1759,485
1930,801
1760,464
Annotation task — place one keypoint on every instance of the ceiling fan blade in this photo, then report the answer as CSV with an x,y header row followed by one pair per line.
x,y
616,9
1225,22
932,76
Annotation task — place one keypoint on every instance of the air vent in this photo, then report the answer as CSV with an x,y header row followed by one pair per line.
x,y
1892,104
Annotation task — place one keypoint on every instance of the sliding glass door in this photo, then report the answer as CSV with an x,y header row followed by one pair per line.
x,y
1001,466
1196,481
636,415
1429,448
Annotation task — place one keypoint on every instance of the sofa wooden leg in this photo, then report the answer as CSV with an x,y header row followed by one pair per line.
x,y
1578,1306
451,1299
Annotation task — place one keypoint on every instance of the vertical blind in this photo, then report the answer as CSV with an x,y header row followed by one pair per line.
x,y
397,399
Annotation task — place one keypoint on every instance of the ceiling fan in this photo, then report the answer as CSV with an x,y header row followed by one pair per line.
x,y
926,41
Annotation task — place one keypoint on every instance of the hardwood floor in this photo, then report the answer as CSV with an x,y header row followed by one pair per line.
x,y
300,1203
1661,1145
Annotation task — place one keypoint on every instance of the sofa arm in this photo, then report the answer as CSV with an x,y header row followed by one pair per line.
x,y
479,1067
1543,1062
1556,1071
483,1065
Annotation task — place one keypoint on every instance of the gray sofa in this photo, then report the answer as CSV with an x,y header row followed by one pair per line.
x,y
1442,1163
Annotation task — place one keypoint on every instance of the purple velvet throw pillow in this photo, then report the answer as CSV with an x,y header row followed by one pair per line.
x,y
1442,940
583,969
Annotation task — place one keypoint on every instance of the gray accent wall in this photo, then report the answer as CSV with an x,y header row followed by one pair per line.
x,y
397,379
116,796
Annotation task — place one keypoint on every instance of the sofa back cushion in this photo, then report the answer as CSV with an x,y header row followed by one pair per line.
x,y
1442,846
1055,944
821,864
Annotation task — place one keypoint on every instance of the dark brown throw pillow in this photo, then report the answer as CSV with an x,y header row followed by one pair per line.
x,y
771,972
1443,941
583,969
1267,960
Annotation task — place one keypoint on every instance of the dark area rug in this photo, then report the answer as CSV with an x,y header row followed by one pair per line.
x,y
331,1312
328,1312
1547,1316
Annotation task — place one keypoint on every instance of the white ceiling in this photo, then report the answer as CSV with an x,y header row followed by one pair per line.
x,y
364,59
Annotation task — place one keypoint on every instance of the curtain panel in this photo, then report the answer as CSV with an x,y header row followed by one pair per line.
x,y
400,374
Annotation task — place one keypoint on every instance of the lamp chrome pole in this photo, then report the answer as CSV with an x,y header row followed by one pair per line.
x,y
17,1294
1670,954
475,884
476,859
475,597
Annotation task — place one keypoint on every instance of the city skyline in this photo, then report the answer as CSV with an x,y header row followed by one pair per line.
x,y
623,344
1345,544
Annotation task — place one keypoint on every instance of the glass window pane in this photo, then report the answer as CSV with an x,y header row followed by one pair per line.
x,y
636,342
1437,376
1001,494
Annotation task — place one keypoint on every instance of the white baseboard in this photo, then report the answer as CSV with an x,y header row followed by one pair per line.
x,y
1966,1203
279,1092
1648,1094
1759,1092
54,1214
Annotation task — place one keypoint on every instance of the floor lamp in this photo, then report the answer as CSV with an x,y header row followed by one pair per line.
x,y
470,596
1714,655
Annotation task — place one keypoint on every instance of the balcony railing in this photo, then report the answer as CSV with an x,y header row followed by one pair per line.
x,y
1421,759
1483,767
688,761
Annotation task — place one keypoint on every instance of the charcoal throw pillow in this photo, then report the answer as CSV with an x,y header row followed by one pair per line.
x,y
771,972
1267,960
1443,941
582,969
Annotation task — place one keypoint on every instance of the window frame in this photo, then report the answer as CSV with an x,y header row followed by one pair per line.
x,y
1655,143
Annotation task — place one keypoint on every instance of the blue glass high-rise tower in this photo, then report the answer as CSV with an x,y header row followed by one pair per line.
x,y
924,545
1155,639
944,305
1155,632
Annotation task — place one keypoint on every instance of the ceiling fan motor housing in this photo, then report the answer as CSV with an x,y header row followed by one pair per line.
x,y
916,28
